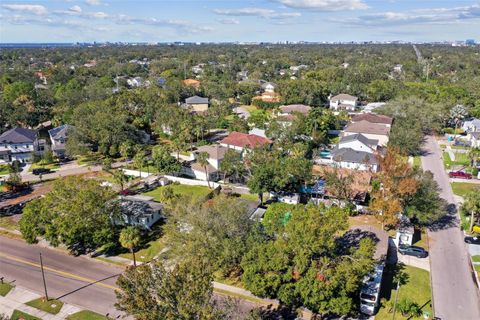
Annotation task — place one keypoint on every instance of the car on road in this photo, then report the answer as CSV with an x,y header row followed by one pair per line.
x,y
472,240
460,175
413,251
39,171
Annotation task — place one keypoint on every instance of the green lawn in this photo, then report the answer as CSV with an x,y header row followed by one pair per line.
x,y
249,197
422,241
90,159
416,289
461,159
196,192
417,162
476,258
5,289
51,166
8,223
86,315
462,188
149,251
17,315
51,306
4,169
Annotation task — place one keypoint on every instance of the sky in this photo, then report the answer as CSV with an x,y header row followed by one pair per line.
x,y
233,20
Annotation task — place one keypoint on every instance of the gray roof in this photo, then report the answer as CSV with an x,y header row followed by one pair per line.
x,y
367,127
476,135
18,135
196,100
360,137
215,151
350,155
137,207
60,132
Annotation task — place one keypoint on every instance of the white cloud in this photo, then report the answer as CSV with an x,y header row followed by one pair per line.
x,y
251,11
229,21
26,8
419,16
257,12
76,9
93,2
325,5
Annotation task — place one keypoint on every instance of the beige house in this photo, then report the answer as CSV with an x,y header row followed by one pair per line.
x,y
197,104
372,131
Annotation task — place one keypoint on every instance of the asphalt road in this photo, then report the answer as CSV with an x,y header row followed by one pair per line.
x,y
76,280
455,294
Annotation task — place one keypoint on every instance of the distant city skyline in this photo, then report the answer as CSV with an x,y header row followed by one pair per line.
x,y
232,20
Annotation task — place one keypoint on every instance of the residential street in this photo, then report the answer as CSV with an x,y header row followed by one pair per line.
x,y
79,281
455,293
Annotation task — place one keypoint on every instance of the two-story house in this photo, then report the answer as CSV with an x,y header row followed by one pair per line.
x,y
197,104
58,139
18,144
343,102
194,169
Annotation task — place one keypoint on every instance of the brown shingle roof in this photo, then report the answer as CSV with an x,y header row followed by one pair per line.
x,y
372,118
214,151
343,96
367,127
295,108
244,140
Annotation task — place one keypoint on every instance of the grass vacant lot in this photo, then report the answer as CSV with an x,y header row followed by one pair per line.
x,y
462,188
17,315
5,289
461,159
182,190
417,289
8,223
86,315
51,306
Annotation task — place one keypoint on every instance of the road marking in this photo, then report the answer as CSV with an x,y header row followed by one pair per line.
x,y
60,272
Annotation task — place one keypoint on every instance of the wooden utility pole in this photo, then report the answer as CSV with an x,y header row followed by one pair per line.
x,y
43,276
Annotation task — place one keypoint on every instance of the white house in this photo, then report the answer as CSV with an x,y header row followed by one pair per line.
x,y
474,138
58,138
343,102
352,159
471,125
18,144
140,211
216,153
269,87
358,142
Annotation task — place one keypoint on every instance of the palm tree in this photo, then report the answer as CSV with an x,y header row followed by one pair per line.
x,y
472,205
202,159
120,178
129,239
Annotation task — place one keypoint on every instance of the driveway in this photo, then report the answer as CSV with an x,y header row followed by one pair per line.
x,y
455,294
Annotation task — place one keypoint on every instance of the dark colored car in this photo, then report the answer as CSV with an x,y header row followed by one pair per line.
x,y
413,251
460,175
126,192
472,240
39,171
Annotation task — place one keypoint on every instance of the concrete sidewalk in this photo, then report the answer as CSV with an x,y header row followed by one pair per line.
x,y
18,296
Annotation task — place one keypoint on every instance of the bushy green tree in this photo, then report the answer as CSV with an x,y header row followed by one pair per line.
x,y
303,265
77,213
155,291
